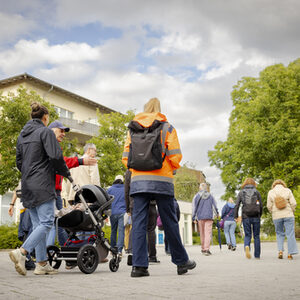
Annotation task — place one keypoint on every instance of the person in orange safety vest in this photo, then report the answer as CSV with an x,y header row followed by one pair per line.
x,y
156,185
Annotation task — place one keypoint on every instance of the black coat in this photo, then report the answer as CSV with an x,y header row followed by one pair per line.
x,y
39,158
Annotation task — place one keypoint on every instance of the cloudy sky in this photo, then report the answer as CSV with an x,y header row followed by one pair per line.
x,y
188,53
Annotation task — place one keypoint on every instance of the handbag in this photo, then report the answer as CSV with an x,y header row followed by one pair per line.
x,y
222,222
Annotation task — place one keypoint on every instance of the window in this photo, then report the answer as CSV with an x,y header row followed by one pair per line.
x,y
64,113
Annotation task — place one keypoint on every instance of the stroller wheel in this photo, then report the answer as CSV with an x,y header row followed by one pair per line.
x,y
87,259
113,265
53,253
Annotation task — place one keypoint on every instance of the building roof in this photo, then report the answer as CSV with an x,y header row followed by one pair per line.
x,y
36,81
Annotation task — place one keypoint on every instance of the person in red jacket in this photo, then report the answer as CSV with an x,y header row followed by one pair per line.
x,y
72,162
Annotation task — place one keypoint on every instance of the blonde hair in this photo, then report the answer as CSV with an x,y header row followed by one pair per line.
x,y
152,106
248,181
278,181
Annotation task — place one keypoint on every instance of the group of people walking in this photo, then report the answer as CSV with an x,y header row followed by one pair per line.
x,y
40,160
280,203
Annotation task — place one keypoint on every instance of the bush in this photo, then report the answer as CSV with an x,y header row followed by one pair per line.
x,y
9,237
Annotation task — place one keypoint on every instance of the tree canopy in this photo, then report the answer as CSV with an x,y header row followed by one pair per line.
x,y
14,113
110,144
263,140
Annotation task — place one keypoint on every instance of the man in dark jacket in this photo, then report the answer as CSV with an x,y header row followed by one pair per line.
x,y
39,158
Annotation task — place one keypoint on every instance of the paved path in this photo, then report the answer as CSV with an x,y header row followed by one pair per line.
x,y
224,275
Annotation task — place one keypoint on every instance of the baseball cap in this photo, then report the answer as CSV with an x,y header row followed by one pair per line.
x,y
119,177
57,124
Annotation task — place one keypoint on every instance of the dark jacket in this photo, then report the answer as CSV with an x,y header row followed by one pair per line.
x,y
228,209
241,199
118,206
39,158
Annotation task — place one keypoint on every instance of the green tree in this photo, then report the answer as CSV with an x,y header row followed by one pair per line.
x,y
14,113
110,144
263,141
186,184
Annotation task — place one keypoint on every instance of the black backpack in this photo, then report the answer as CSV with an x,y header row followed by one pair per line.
x,y
147,152
251,204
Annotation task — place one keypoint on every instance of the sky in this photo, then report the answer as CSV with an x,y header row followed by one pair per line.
x,y
187,53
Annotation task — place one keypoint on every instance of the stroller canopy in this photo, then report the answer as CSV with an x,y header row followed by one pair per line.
x,y
93,194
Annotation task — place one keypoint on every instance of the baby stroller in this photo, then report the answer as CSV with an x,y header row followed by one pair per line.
x,y
97,205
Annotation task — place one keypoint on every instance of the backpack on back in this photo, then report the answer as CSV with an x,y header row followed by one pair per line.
x,y
147,150
251,204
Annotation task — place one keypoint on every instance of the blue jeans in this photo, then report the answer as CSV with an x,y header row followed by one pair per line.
x,y
169,219
229,231
62,234
286,227
42,218
117,225
252,225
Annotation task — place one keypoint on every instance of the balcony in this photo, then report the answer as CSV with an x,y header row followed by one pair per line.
x,y
80,129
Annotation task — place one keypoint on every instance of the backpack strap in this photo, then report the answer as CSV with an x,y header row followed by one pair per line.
x,y
165,128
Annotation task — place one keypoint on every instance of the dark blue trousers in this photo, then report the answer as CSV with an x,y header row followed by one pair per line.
x,y
168,216
252,225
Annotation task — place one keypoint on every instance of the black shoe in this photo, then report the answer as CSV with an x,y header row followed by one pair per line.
x,y
139,272
154,260
229,247
189,265
233,248
29,264
129,260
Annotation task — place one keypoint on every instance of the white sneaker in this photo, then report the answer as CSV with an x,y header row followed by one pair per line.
x,y
19,259
43,270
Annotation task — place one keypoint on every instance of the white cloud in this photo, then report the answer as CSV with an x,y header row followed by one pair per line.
x,y
13,25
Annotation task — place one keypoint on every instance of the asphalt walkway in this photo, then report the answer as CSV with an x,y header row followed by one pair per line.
x,y
224,275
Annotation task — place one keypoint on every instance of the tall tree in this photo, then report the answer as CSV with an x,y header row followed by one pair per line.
x,y
110,143
263,141
14,113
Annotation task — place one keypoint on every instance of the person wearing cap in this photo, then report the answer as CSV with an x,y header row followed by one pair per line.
x,y
72,162
118,210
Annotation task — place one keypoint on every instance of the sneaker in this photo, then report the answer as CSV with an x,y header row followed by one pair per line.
x,y
70,265
280,255
247,251
44,270
154,260
233,248
290,257
139,272
207,253
104,260
229,247
29,264
189,265
19,259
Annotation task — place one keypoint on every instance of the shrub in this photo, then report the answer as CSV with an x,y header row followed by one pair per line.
x,y
9,237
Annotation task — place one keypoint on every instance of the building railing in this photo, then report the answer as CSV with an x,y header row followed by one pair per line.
x,y
80,126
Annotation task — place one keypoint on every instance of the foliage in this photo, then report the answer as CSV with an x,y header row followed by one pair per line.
x,y
15,112
186,184
263,141
110,144
267,225
9,237
296,194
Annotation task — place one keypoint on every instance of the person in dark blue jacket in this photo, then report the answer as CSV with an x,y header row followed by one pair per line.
x,y
229,224
118,210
